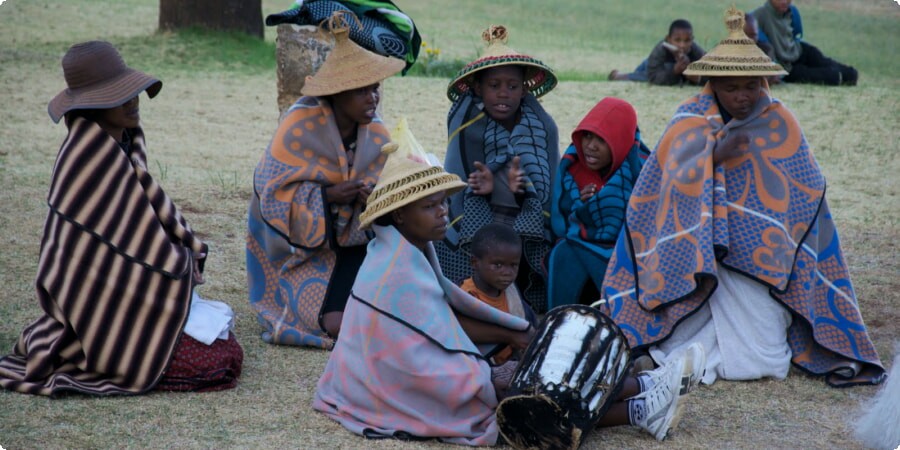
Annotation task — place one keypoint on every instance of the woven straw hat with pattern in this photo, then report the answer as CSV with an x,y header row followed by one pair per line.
x,y
408,175
735,56
97,78
539,79
348,66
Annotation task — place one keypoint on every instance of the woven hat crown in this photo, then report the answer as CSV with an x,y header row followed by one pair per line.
x,y
97,78
348,66
737,55
409,174
539,78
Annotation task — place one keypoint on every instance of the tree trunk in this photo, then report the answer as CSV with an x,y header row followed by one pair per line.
x,y
244,16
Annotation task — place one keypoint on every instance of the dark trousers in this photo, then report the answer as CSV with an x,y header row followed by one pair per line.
x,y
815,68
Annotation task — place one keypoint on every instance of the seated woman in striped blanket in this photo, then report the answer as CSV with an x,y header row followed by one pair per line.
x,y
119,263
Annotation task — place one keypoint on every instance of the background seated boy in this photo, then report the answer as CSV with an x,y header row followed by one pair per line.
x,y
668,59
496,252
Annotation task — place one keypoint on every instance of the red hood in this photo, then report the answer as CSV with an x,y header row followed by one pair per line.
x,y
614,120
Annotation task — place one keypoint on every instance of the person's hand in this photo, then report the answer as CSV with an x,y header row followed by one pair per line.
x,y
198,275
481,180
344,192
516,176
588,191
521,339
681,63
364,193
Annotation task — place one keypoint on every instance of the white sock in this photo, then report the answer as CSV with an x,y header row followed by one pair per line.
x,y
644,382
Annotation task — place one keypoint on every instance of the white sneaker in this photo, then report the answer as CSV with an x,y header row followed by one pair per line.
x,y
694,368
682,374
693,371
661,401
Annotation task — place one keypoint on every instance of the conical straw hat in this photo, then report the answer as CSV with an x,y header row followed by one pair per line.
x,y
539,79
348,66
407,176
735,56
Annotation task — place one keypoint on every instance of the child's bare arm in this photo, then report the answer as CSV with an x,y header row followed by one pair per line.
x,y
487,333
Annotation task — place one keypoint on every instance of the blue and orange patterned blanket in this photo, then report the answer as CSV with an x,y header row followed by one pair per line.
x,y
747,195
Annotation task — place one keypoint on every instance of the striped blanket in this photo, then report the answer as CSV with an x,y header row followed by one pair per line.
x,y
114,278
747,195
292,231
403,366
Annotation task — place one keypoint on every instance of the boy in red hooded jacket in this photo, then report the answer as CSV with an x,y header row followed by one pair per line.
x,y
590,193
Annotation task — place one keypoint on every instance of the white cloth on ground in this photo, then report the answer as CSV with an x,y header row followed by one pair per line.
x,y
742,329
208,320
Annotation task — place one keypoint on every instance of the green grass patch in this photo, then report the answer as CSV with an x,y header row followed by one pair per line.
x,y
200,50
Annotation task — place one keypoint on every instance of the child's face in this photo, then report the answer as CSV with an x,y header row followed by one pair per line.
x,y
423,220
682,38
597,154
502,89
782,6
356,105
499,268
738,95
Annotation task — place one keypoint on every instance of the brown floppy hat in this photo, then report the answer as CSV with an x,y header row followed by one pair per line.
x,y
97,78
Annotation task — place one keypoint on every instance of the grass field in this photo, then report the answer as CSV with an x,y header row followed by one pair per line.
x,y
217,111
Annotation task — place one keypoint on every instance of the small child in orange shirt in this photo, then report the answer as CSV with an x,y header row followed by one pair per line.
x,y
496,252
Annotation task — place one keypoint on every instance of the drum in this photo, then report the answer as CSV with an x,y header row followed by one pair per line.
x,y
567,379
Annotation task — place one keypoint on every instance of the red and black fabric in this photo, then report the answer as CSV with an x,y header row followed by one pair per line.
x,y
199,367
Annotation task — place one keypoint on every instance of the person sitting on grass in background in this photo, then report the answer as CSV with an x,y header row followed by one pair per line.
x,y
119,263
729,241
496,252
668,59
503,143
303,244
751,29
780,26
410,362
590,194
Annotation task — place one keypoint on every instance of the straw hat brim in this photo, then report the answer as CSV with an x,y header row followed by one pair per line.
x,y
104,95
347,71
539,78
735,56
405,189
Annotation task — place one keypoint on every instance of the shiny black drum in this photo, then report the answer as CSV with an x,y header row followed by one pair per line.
x,y
567,379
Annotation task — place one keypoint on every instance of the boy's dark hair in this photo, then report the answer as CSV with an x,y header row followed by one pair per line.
x,y
680,24
492,234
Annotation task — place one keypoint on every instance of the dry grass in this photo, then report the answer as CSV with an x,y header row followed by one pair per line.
x,y
205,134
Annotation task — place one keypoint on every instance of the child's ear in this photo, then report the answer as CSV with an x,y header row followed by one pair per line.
x,y
476,87
398,218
